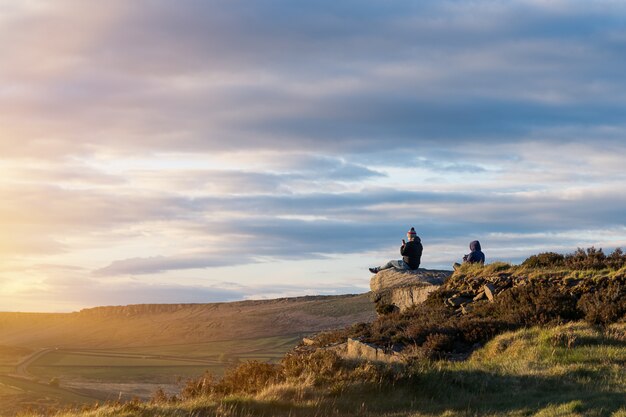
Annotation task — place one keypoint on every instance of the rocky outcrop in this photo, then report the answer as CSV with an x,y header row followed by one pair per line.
x,y
400,290
355,349
468,290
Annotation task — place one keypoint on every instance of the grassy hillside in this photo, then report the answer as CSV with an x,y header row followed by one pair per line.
x,y
545,338
163,324
568,370
108,353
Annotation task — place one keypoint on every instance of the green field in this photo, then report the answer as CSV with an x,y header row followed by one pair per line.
x,y
19,394
162,364
90,375
10,355
271,347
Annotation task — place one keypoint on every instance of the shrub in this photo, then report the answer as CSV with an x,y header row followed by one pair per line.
x,y
437,344
425,320
246,378
616,260
249,378
607,304
545,260
582,259
329,338
474,329
590,258
383,309
197,387
320,362
533,304
160,397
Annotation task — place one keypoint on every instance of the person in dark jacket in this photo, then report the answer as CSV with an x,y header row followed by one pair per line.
x,y
476,256
411,252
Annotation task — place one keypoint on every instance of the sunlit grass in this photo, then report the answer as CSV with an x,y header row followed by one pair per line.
x,y
568,370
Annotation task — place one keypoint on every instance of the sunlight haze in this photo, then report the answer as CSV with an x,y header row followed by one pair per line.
x,y
203,151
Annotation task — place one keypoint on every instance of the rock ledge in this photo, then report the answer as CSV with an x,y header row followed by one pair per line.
x,y
400,290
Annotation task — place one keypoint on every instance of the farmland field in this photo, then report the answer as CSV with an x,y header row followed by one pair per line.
x,y
9,356
90,375
119,352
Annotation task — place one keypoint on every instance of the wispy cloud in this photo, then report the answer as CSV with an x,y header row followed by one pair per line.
x,y
141,140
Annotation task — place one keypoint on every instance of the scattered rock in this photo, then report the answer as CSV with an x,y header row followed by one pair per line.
x,y
355,349
466,308
480,296
458,301
490,291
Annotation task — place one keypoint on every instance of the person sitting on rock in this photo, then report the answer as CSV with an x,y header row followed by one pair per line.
x,y
411,252
475,256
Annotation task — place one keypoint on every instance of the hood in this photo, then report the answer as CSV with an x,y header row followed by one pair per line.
x,y
475,246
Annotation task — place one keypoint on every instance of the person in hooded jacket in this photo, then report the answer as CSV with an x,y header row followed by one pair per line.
x,y
411,252
476,256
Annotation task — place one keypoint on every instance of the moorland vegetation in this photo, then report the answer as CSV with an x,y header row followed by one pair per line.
x,y
548,340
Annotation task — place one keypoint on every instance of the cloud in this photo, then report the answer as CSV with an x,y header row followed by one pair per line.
x,y
147,138
215,76
156,264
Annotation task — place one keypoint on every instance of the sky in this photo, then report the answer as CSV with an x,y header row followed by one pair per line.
x,y
212,150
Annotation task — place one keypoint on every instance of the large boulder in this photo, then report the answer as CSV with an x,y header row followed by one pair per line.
x,y
399,290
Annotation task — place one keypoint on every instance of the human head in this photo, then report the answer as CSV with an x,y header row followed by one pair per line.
x,y
411,234
475,246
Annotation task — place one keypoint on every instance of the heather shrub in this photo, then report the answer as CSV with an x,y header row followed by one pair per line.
x,y
437,344
590,258
195,387
616,260
246,378
533,304
545,260
329,338
382,309
160,397
387,329
325,368
607,303
581,259
249,378
475,329
322,364
422,321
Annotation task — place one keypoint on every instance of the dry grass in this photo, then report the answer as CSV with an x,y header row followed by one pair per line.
x,y
569,370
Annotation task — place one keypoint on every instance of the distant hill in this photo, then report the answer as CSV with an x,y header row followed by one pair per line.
x,y
161,324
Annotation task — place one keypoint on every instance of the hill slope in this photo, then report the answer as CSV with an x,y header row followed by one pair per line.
x,y
162,324
490,341
530,372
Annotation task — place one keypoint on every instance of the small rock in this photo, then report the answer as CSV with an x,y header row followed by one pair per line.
x,y
490,291
466,308
308,342
458,301
480,296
